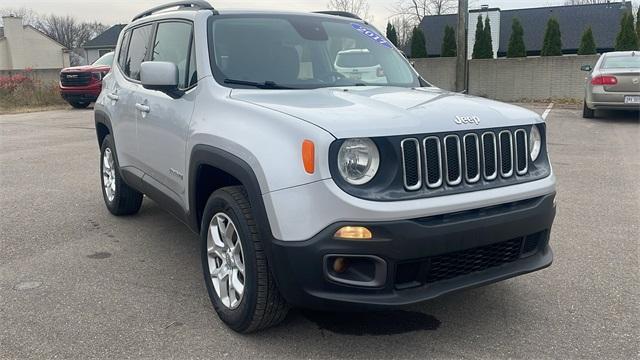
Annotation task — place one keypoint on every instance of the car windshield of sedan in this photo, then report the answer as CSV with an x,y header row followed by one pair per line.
x,y
106,59
622,62
304,52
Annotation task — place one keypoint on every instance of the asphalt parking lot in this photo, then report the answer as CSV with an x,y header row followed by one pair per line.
x,y
76,282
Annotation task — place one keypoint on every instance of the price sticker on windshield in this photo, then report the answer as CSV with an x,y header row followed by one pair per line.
x,y
371,35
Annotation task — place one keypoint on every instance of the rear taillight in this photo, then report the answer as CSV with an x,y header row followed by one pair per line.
x,y
606,80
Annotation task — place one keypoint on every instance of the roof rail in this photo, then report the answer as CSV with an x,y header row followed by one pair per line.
x,y
193,4
339,13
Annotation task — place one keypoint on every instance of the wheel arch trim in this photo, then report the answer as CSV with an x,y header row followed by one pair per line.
x,y
206,155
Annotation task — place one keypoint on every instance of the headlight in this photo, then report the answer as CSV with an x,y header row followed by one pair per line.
x,y
535,143
358,161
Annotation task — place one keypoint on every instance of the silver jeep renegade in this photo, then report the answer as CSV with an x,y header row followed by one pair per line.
x,y
313,185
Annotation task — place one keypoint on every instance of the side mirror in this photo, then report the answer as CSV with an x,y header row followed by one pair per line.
x,y
586,68
161,76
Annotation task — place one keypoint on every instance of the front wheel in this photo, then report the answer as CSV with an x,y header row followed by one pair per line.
x,y
240,285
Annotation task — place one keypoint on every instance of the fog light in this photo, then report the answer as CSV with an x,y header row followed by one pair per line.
x,y
340,265
353,233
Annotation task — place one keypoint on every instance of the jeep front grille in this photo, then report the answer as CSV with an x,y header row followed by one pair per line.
x,y
453,159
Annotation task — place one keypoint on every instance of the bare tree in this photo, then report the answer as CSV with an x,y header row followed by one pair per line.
x,y
357,7
418,9
404,27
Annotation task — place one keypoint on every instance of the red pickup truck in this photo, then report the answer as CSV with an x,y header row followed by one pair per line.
x,y
81,85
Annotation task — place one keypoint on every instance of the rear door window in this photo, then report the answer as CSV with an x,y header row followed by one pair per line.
x,y
138,49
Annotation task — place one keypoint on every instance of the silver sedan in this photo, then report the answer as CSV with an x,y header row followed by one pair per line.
x,y
613,83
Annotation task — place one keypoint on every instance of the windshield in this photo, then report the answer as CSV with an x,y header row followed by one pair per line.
x,y
303,52
106,59
622,62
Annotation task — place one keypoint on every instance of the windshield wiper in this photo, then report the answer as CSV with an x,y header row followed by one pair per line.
x,y
259,85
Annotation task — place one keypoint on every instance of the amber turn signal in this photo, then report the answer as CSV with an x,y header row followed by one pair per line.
x,y
309,156
353,233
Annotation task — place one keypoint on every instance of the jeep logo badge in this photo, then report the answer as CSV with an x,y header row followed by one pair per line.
x,y
467,120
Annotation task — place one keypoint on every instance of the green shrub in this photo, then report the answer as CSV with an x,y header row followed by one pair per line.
x,y
587,43
449,46
627,38
516,40
552,45
418,44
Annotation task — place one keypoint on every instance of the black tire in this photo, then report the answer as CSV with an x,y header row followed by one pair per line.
x,y
79,105
126,200
261,306
588,113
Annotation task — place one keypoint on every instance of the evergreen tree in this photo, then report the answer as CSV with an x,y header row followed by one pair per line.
x,y
627,38
487,50
449,46
418,44
479,40
392,34
516,40
552,45
587,43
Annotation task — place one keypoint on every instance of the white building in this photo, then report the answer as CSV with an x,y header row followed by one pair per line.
x,y
24,47
494,21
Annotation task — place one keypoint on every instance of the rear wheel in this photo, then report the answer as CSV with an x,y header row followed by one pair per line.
x,y
588,113
240,285
119,198
79,104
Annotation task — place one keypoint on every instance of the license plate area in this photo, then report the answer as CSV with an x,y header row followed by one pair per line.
x,y
632,99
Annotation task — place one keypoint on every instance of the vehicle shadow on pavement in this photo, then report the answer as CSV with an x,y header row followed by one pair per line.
x,y
390,322
616,116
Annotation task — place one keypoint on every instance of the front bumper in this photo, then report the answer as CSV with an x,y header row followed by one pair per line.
x,y
424,258
88,93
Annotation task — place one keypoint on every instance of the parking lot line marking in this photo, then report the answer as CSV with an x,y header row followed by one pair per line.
x,y
546,112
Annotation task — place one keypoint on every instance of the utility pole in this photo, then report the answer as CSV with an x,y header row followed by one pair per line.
x,y
461,61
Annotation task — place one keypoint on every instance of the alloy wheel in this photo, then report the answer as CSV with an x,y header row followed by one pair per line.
x,y
109,174
226,260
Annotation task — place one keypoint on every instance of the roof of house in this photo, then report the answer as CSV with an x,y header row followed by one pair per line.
x,y
109,38
604,19
573,19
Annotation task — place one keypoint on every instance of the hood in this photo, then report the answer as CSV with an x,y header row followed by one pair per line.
x,y
87,68
388,111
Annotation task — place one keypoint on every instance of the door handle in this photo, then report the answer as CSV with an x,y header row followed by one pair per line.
x,y
143,108
113,96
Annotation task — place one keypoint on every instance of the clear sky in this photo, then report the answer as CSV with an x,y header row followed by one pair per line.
x,y
121,11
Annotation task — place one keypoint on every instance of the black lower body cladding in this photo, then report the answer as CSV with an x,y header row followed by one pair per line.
x,y
420,259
